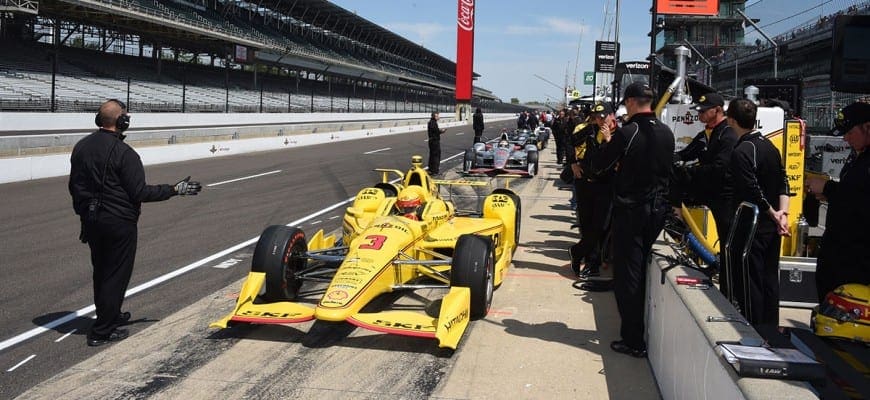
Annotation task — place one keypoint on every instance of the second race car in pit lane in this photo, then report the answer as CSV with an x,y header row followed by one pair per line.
x,y
395,237
541,136
510,154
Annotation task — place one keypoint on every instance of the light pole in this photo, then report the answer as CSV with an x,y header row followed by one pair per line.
x,y
772,42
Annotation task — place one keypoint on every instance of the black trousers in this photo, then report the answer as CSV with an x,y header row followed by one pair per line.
x,y
634,231
434,156
593,204
560,146
762,268
477,135
723,216
113,250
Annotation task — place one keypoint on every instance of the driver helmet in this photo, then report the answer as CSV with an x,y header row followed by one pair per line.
x,y
503,144
845,313
409,203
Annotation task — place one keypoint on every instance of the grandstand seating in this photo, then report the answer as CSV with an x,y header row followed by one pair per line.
x,y
85,77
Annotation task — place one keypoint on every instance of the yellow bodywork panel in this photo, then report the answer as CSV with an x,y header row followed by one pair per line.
x,y
268,313
454,316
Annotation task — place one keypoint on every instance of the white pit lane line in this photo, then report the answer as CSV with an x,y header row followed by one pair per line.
x,y
244,178
160,279
21,363
378,150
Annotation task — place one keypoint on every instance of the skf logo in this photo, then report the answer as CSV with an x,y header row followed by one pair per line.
x,y
337,295
264,314
402,325
456,320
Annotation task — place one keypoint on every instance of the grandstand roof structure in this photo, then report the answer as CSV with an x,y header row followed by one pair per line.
x,y
314,35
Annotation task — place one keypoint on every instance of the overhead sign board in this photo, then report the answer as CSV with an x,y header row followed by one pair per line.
x,y
605,55
588,78
688,7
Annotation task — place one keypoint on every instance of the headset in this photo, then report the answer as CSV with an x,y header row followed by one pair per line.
x,y
123,121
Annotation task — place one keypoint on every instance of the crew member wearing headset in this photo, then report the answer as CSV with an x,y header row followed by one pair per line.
x,y
107,185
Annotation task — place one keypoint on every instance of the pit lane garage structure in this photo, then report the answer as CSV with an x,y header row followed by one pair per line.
x,y
216,56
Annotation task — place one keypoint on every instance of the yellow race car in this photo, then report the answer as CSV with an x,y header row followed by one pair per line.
x,y
396,236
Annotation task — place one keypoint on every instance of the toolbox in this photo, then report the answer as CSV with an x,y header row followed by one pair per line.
x,y
797,282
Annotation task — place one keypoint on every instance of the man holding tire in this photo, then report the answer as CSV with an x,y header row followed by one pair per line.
x,y
107,185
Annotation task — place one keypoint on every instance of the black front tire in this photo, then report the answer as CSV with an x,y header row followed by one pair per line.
x,y
280,254
473,267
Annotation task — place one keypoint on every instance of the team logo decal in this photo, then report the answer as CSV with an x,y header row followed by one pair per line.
x,y
337,295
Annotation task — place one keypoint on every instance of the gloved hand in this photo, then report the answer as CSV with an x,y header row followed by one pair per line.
x,y
186,187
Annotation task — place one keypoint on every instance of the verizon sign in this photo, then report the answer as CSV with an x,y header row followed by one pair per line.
x,y
464,49
606,54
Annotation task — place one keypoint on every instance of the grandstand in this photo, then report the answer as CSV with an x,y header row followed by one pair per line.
x,y
216,56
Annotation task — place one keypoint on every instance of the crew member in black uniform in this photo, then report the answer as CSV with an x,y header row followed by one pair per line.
x,y
843,252
107,184
594,191
759,178
641,152
434,144
559,135
709,182
477,125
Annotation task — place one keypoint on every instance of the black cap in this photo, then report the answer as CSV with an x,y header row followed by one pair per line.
x,y
601,110
709,101
850,116
638,89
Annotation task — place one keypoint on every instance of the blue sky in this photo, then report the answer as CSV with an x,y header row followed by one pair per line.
x,y
516,40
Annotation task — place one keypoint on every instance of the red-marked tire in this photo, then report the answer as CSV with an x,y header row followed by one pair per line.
x,y
279,253
473,267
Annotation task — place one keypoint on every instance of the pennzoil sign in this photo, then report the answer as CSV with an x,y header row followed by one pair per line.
x,y
689,118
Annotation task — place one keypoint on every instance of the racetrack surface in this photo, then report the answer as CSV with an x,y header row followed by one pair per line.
x,y
542,339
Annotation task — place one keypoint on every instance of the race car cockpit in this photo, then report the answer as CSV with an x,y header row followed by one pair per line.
x,y
410,204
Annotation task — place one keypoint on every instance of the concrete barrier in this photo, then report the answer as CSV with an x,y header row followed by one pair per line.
x,y
681,342
13,169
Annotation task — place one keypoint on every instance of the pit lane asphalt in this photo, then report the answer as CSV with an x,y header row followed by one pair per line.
x,y
46,271
543,339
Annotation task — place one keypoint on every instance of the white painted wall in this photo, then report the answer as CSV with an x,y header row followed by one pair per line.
x,y
37,167
20,121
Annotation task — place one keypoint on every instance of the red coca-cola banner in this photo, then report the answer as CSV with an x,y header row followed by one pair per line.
x,y
464,49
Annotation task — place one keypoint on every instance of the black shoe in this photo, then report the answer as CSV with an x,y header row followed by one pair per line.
x,y
123,318
619,346
575,261
117,335
589,272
